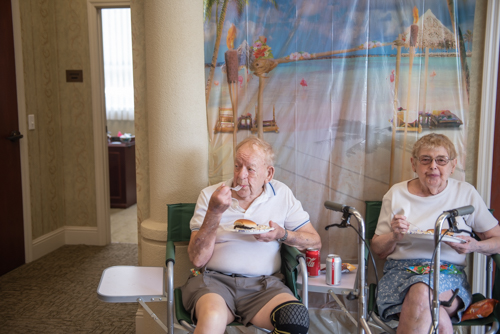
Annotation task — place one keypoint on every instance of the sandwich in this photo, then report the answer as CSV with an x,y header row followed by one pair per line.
x,y
245,224
431,231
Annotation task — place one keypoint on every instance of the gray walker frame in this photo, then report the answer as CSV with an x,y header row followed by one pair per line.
x,y
449,215
362,298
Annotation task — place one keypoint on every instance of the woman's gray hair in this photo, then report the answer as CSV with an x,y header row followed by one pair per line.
x,y
434,140
263,145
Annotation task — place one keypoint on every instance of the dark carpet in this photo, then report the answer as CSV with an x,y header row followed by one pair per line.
x,y
58,293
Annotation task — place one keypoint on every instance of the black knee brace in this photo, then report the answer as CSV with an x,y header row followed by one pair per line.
x,y
290,317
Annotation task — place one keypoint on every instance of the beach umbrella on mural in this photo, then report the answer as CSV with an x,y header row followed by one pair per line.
x,y
413,34
432,34
231,57
426,32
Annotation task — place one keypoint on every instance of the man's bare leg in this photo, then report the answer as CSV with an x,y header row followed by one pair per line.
x,y
212,314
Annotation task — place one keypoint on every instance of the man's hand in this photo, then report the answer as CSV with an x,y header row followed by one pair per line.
x,y
277,233
201,245
305,237
220,200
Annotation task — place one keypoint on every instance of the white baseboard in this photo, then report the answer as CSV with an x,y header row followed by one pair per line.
x,y
48,243
68,235
77,235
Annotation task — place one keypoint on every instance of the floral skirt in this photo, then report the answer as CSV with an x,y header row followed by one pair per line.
x,y
396,281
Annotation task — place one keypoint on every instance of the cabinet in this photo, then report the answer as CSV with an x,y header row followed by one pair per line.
x,y
122,179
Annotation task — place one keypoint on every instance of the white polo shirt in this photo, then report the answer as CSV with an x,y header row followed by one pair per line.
x,y
240,253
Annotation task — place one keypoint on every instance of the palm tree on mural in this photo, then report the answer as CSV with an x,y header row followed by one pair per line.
x,y
219,22
460,45
468,38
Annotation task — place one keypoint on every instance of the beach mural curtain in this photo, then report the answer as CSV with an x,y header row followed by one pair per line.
x,y
341,89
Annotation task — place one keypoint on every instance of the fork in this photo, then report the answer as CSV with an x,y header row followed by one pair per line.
x,y
237,188
418,228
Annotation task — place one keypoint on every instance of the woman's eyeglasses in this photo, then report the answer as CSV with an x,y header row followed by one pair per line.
x,y
440,160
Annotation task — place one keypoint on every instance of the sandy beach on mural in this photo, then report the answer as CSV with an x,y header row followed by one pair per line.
x,y
353,89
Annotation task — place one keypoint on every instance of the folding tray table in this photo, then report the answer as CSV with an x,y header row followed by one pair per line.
x,y
131,284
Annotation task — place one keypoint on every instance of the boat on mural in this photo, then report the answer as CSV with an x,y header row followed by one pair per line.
x,y
225,122
430,120
439,119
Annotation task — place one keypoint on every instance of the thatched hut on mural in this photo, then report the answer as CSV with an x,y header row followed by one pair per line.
x,y
432,34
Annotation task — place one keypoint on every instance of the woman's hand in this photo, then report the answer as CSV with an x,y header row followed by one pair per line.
x,y
469,246
399,226
383,245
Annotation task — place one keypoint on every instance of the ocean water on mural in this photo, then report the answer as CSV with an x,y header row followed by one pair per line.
x,y
340,98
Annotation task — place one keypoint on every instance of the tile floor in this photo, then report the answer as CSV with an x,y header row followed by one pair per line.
x,y
124,225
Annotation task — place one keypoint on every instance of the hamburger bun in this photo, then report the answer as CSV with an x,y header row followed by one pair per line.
x,y
245,224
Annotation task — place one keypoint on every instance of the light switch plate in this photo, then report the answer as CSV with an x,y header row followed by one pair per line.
x,y
31,122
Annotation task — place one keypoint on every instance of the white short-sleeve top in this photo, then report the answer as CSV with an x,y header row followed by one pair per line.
x,y
422,213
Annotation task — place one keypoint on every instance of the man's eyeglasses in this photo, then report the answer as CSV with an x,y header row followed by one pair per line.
x,y
440,160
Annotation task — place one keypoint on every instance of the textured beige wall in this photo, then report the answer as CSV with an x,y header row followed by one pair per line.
x,y
177,122
175,129
476,79
61,158
140,114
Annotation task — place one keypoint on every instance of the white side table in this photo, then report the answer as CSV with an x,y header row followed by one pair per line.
x,y
348,284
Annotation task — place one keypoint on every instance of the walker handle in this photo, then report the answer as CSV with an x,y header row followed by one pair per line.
x,y
462,211
336,206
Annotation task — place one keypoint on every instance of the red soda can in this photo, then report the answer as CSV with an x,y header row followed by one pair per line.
x,y
312,260
333,269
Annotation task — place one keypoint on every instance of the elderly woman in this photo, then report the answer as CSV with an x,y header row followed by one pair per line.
x,y
416,204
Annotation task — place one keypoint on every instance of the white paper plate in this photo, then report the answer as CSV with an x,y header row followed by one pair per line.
x,y
430,237
261,230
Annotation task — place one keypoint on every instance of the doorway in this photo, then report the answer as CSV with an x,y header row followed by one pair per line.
x,y
119,102
101,140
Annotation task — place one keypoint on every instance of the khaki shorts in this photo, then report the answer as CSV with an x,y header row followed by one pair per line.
x,y
244,296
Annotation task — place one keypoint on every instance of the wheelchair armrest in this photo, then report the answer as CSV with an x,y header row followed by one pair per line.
x,y
170,256
291,260
292,252
496,259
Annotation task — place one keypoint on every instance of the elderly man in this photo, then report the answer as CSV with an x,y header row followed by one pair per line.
x,y
240,277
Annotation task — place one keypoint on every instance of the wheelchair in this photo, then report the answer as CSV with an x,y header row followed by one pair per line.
x,y
372,213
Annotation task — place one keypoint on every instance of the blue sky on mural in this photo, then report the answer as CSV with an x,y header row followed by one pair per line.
x,y
319,26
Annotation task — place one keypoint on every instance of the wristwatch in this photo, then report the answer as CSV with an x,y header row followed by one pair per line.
x,y
284,237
